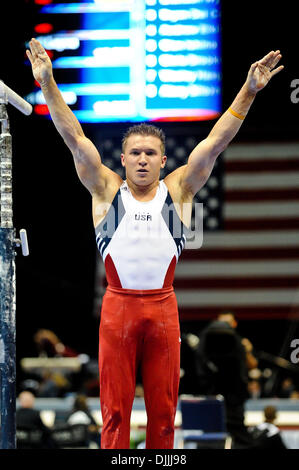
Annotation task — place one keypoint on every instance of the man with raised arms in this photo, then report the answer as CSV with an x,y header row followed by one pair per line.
x,y
139,324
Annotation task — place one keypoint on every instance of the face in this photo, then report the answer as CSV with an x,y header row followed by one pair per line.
x,y
143,159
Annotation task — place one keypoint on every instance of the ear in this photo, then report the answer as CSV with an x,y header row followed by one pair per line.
x,y
122,159
163,162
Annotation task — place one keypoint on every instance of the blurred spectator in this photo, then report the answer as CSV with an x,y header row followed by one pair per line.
x,y
47,387
31,431
81,376
286,388
189,345
266,435
254,388
223,362
53,384
251,360
49,345
81,415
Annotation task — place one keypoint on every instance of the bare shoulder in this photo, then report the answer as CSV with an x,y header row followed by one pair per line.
x,y
102,199
93,174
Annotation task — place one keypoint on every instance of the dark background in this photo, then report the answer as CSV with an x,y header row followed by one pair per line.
x,y
55,284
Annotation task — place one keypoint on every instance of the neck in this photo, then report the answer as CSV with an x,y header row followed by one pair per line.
x,y
143,193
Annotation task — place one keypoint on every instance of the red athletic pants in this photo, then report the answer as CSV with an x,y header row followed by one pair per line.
x,y
139,327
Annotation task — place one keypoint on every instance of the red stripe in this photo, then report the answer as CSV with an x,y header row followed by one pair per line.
x,y
170,273
287,223
261,195
240,254
288,427
111,273
236,283
244,313
261,166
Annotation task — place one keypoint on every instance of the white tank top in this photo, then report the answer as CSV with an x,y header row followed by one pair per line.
x,y
140,242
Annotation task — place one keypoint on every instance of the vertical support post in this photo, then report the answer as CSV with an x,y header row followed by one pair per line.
x,y
7,339
7,291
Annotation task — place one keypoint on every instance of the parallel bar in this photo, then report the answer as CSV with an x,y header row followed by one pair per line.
x,y
14,99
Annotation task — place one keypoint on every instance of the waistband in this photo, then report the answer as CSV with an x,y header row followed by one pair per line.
x,y
137,292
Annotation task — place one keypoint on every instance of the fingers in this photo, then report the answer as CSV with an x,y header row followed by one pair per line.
x,y
276,59
29,55
268,63
33,48
267,58
271,59
277,70
36,48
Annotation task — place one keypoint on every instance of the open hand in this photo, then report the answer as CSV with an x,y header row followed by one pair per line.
x,y
40,62
261,72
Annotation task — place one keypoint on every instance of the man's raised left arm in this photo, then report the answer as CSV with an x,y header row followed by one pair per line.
x,y
201,160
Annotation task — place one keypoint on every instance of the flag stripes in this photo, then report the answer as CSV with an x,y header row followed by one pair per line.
x,y
251,267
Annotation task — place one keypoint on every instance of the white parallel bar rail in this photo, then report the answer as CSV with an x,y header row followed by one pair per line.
x,y
10,96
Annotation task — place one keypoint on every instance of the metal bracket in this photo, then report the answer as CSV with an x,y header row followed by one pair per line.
x,y
23,242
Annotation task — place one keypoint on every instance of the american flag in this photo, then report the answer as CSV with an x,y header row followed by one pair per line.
x,y
249,259
251,266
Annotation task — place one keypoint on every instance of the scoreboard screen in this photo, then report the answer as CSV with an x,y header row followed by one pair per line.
x,y
133,60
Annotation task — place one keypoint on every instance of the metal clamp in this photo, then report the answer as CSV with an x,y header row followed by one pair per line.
x,y
23,242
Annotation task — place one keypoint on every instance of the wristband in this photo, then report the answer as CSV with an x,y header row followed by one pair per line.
x,y
237,115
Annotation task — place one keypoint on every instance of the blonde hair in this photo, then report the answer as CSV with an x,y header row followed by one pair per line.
x,y
145,129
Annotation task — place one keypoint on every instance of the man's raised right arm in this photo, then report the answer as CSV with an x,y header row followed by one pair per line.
x,y
92,173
